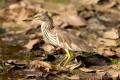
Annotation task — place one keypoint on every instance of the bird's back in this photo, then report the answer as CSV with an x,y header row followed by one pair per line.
x,y
69,41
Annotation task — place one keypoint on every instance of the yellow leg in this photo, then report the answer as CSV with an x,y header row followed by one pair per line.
x,y
63,60
66,59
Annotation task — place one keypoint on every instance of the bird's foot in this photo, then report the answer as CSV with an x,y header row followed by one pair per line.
x,y
66,60
62,62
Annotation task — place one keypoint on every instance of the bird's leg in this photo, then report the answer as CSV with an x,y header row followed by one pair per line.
x,y
63,59
68,56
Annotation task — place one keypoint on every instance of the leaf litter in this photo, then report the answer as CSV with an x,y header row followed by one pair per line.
x,y
24,54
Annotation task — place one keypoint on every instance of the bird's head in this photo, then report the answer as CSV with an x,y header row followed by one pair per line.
x,y
43,16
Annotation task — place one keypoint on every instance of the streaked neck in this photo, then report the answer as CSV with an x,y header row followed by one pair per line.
x,y
47,25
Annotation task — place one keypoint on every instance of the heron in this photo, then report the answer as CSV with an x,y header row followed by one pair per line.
x,y
60,37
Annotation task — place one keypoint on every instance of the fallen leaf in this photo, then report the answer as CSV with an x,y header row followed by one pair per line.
x,y
88,2
74,20
74,77
117,50
111,34
107,42
95,24
108,52
41,64
48,48
72,66
87,70
107,76
30,44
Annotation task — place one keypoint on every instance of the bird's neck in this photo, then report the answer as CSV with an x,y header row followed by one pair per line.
x,y
47,26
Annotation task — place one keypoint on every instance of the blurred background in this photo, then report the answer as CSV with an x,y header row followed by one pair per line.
x,y
22,45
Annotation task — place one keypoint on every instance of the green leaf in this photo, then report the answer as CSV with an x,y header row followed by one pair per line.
x,y
114,61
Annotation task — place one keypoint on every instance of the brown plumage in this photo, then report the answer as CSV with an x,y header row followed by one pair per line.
x,y
59,37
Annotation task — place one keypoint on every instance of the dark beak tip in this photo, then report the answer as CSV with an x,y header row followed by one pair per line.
x,y
27,19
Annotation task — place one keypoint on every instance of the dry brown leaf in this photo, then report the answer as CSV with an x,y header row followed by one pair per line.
x,y
74,77
108,53
117,50
111,34
103,9
48,48
114,73
88,2
95,24
58,22
74,20
107,42
87,70
72,66
109,4
13,6
30,44
111,17
41,64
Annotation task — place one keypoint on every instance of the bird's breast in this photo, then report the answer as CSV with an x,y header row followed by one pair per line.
x,y
50,37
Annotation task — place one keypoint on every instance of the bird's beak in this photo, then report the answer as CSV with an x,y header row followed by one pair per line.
x,y
35,16
29,19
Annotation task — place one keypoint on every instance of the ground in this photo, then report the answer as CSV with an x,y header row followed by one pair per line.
x,y
24,55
